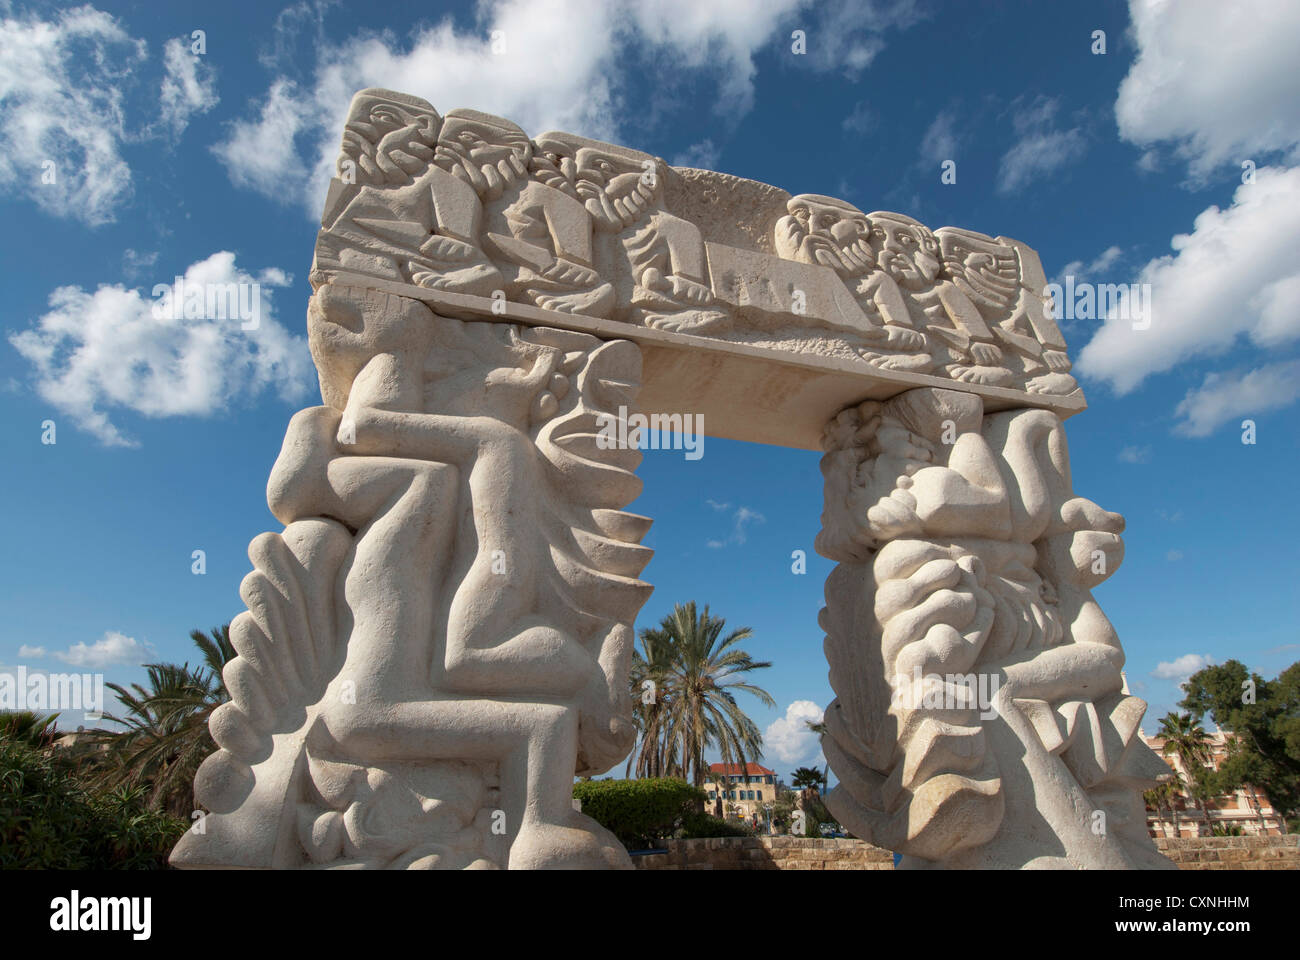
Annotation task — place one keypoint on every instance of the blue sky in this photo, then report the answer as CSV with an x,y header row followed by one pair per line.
x,y
1122,167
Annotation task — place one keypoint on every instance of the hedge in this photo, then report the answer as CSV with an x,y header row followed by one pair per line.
x,y
639,812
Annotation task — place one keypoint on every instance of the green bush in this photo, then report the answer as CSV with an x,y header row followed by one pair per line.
x,y
700,825
639,812
50,821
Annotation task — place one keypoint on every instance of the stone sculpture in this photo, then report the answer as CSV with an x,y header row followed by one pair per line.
x,y
980,718
439,638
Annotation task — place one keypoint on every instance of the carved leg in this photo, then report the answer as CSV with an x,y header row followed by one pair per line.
x,y
979,718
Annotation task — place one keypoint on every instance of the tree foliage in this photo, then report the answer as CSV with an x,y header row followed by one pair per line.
x,y
684,681
1264,715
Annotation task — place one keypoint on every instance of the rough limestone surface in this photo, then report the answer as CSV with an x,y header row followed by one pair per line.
x,y
439,638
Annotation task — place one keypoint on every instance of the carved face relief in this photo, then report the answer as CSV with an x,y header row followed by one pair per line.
x,y
827,231
905,249
395,136
483,150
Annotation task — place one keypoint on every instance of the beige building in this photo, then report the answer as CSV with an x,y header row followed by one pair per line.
x,y
746,793
1247,807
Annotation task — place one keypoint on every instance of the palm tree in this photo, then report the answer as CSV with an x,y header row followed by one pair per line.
x,y
807,778
1164,797
24,726
819,728
166,736
649,679
1187,740
701,671
719,781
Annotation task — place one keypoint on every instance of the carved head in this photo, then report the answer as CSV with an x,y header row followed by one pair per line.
x,y
348,326
485,151
905,249
615,184
380,133
834,220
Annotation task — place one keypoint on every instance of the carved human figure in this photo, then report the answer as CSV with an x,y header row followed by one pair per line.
x,y
974,559
907,251
391,212
989,272
489,593
832,233
540,238
662,254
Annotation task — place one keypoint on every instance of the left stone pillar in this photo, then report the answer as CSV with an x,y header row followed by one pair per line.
x,y
439,639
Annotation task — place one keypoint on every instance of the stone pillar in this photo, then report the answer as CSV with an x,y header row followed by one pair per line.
x,y
980,718
440,637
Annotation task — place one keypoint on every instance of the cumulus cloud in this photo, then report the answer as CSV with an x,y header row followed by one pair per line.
x,y
1234,276
93,353
34,652
1041,148
113,648
525,60
1183,667
1227,396
789,738
1216,80
67,85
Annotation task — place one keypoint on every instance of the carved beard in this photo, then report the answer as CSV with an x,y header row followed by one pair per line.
x,y
372,151
489,180
614,213
912,271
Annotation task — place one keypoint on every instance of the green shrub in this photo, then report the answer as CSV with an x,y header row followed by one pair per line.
x,y
50,821
700,825
639,812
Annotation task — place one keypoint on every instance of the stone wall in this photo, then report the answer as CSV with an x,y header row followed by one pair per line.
x,y
1232,853
767,853
797,853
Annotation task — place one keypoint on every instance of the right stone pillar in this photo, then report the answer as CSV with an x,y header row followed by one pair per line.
x,y
980,718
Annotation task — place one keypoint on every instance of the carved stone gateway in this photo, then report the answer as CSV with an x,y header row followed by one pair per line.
x,y
439,638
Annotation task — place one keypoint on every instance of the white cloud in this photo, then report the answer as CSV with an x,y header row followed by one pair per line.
x,y
1219,80
67,85
1183,667
1236,274
939,143
1227,396
34,652
61,102
741,518
135,263
860,119
559,69
1173,556
702,155
112,648
188,88
1040,148
96,352
1082,271
790,739
1135,454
